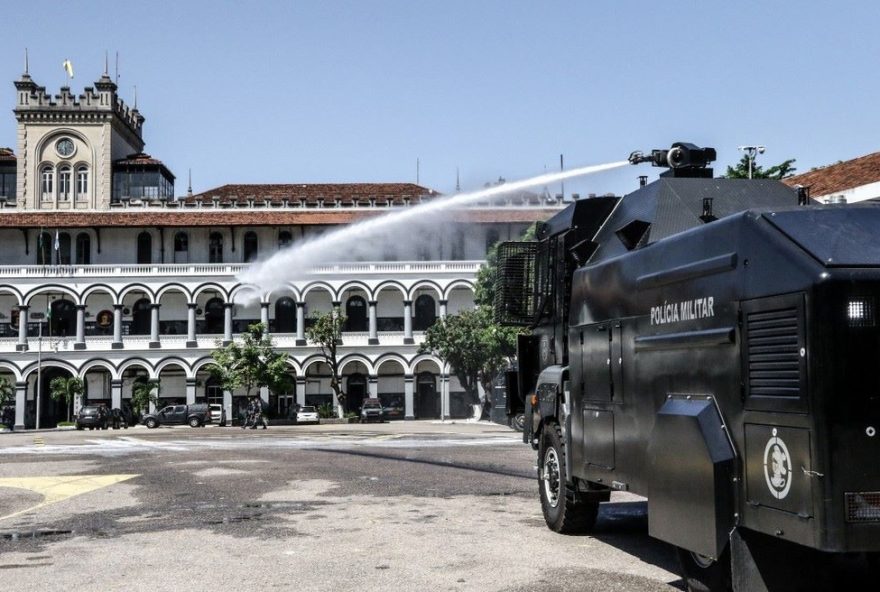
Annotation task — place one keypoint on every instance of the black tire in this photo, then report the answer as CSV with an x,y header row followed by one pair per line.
x,y
79,427
518,422
194,422
561,513
151,423
702,574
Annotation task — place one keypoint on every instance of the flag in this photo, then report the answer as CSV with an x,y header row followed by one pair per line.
x,y
68,67
57,241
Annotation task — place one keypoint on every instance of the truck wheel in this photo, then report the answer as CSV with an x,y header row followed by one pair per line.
x,y
518,422
703,574
194,422
151,423
561,513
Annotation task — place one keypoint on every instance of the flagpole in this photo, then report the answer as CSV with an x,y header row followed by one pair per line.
x,y
39,369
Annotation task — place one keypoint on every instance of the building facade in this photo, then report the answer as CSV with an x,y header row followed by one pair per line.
x,y
108,275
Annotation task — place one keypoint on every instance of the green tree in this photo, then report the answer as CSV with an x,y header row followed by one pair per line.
x,y
475,347
66,389
326,333
741,170
143,392
7,393
251,363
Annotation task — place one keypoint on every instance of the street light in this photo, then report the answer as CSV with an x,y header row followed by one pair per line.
x,y
751,152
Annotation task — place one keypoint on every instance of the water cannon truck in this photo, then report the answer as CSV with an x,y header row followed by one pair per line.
x,y
710,344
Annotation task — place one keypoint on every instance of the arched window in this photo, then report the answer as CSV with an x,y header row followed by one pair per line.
x,y
215,248
250,246
285,238
47,182
285,315
63,248
62,322
83,249
44,249
457,245
145,248
214,316
65,185
426,313
492,237
82,182
356,313
181,247
140,317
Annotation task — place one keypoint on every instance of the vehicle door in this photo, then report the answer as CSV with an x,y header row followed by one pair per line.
x,y
166,415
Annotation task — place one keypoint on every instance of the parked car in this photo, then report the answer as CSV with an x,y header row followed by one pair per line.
x,y
195,415
307,414
371,410
92,417
218,414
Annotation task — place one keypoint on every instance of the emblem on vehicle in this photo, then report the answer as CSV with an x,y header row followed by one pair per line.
x,y
777,466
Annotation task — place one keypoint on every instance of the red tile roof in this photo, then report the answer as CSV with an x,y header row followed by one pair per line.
x,y
311,193
194,217
139,158
839,177
7,155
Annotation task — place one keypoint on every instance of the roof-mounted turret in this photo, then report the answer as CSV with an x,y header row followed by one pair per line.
x,y
683,159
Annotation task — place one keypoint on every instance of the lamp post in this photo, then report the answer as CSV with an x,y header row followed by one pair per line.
x,y
751,152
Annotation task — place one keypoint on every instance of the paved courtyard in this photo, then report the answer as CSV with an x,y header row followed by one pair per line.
x,y
402,506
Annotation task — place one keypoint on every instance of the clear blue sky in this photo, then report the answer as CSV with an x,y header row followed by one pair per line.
x,y
324,91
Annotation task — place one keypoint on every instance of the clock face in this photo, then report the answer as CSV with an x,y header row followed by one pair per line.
x,y
65,147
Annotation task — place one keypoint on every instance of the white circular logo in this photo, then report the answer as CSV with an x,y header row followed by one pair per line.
x,y
777,466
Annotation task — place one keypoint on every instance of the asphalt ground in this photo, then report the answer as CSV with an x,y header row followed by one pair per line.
x,y
400,506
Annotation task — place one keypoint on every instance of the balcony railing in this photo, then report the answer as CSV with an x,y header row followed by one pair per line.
x,y
232,269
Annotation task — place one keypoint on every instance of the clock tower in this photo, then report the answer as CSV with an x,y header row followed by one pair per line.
x,y
67,144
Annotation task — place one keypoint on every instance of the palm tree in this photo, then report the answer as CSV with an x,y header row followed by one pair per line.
x,y
66,389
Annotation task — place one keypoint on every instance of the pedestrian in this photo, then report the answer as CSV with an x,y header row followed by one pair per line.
x,y
248,414
256,414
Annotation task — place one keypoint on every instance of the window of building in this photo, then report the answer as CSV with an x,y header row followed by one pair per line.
x,y
492,237
250,246
181,247
285,315
214,316
285,238
82,182
426,312
7,185
63,248
140,317
47,182
145,248
83,249
356,314
44,249
64,183
457,245
215,248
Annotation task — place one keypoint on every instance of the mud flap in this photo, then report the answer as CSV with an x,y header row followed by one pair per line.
x,y
761,563
690,502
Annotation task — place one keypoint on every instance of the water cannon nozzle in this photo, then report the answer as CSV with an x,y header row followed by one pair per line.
x,y
680,155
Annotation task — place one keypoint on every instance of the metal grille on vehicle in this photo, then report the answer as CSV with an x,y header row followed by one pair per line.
x,y
774,353
515,283
863,506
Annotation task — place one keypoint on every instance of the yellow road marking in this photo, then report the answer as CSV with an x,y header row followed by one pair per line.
x,y
56,489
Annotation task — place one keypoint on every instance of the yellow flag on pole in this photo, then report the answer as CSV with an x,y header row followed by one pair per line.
x,y
68,67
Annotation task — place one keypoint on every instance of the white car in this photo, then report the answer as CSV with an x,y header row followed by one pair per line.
x,y
218,414
307,414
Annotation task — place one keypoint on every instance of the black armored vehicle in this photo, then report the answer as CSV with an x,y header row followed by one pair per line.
x,y
709,344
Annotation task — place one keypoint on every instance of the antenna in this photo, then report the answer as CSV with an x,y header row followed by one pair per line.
x,y
457,181
189,189
26,67
417,171
106,63
135,96
117,67
561,169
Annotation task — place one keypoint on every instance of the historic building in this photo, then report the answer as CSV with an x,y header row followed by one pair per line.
x,y
108,274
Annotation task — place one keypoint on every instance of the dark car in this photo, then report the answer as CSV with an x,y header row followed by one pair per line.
x,y
371,410
194,415
93,417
